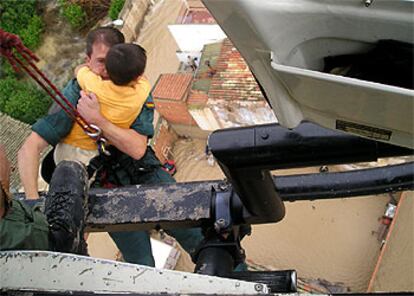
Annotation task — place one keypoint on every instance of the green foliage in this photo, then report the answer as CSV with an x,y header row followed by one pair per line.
x,y
20,18
73,13
115,8
22,100
6,69
31,34
18,98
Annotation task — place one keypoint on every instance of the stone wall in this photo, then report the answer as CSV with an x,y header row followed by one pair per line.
x,y
133,14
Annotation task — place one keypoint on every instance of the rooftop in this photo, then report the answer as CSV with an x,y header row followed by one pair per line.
x,y
232,79
198,17
12,135
196,13
172,86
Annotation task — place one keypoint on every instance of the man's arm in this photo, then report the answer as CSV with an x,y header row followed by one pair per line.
x,y
47,130
126,140
28,161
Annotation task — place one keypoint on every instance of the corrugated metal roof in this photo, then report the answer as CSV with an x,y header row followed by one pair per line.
x,y
172,86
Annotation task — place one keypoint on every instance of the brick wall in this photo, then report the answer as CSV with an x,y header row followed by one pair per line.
x,y
163,141
174,111
197,98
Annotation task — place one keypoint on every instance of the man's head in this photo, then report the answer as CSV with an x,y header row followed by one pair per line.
x,y
98,43
125,63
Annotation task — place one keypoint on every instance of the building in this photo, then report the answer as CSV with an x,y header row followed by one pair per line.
x,y
222,93
194,28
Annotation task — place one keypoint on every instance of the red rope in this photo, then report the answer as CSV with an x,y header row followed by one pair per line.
x,y
7,43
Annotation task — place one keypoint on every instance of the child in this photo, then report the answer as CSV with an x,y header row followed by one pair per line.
x,y
121,98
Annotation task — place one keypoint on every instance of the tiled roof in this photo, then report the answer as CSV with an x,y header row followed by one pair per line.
x,y
172,86
12,135
198,17
233,79
232,82
197,98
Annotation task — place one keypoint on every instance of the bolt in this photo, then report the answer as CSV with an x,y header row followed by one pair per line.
x,y
258,287
265,136
223,186
324,169
368,2
219,224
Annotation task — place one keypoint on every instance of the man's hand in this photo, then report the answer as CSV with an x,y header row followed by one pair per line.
x,y
89,108
126,140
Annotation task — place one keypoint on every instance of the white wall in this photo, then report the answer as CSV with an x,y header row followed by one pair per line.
x,y
183,56
194,37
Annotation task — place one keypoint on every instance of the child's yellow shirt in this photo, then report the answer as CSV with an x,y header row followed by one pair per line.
x,y
119,104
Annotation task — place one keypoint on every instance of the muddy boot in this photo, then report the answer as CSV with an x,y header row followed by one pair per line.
x,y
66,208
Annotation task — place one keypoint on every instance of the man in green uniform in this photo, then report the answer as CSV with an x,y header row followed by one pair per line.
x,y
130,143
60,228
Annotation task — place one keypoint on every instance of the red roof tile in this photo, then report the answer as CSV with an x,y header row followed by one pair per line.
x,y
197,98
172,86
233,79
198,17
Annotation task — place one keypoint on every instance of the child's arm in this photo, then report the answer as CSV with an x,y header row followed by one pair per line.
x,y
88,80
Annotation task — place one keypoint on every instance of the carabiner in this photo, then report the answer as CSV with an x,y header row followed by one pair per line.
x,y
102,147
94,135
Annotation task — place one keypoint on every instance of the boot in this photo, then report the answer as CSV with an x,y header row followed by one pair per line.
x,y
66,208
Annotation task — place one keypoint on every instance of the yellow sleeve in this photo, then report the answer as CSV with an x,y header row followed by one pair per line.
x,y
88,80
145,87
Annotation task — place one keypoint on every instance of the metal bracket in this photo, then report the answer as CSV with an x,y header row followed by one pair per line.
x,y
222,211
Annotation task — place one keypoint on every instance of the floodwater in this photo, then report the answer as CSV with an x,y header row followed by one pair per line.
x,y
333,240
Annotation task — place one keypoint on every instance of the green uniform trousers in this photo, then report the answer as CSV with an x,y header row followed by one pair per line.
x,y
24,228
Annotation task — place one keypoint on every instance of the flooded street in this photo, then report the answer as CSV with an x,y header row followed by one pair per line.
x,y
333,240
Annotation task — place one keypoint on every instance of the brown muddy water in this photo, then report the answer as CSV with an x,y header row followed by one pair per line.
x,y
334,240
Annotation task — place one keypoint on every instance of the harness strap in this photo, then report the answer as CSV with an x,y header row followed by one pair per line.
x,y
119,169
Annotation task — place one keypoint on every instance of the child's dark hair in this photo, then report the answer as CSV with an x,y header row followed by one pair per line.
x,y
125,62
